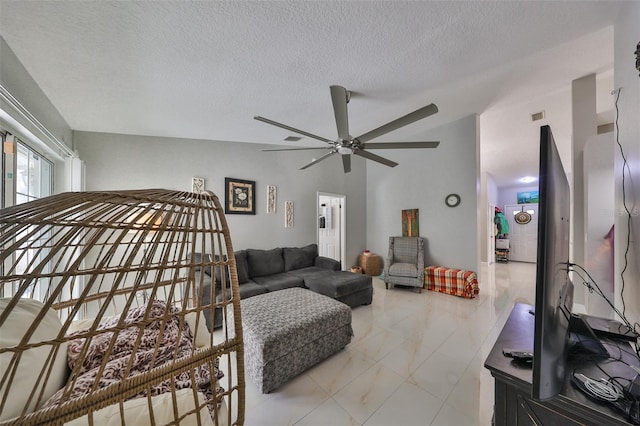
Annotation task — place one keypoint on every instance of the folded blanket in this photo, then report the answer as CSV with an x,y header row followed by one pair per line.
x,y
163,340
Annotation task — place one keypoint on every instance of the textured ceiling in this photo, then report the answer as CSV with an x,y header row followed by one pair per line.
x,y
204,69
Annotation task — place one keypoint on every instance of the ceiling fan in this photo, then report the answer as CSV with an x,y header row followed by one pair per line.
x,y
346,145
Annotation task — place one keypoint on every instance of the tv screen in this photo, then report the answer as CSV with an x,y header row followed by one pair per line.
x,y
554,290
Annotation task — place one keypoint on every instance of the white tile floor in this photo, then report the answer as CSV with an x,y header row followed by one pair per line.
x,y
415,359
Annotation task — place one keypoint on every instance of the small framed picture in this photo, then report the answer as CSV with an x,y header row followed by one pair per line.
x,y
197,185
239,196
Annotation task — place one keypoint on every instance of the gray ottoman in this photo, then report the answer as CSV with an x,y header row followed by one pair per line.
x,y
288,331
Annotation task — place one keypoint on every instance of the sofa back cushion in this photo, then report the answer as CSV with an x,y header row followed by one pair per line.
x,y
199,258
218,271
299,257
242,266
265,262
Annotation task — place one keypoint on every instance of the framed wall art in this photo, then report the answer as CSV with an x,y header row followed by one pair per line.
x,y
288,214
239,196
271,199
410,226
529,197
197,185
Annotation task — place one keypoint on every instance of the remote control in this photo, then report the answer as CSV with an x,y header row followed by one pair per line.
x,y
518,355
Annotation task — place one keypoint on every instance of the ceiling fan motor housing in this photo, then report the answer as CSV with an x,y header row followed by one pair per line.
x,y
345,150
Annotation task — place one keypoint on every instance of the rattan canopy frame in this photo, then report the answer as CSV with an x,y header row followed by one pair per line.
x,y
112,260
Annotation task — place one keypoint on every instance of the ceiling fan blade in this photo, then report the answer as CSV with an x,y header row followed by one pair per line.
x,y
327,155
294,149
374,157
292,129
339,99
401,145
419,114
346,162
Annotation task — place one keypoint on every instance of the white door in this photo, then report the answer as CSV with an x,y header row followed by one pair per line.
x,y
331,226
523,237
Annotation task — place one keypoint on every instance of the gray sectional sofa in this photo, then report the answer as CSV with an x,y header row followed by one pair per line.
x,y
263,271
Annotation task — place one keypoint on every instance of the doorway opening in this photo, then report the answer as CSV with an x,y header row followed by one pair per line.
x,y
332,226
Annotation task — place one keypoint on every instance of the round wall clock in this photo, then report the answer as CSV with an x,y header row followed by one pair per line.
x,y
452,200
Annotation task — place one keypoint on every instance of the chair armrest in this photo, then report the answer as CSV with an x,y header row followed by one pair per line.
x,y
327,263
421,261
389,261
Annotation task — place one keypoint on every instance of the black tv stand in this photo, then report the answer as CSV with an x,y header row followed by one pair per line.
x,y
513,404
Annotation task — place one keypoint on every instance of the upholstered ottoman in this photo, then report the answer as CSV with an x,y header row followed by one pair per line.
x,y
457,282
347,287
288,331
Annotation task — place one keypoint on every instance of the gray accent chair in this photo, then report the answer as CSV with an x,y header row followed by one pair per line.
x,y
405,262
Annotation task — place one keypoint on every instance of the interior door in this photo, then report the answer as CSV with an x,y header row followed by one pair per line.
x,y
523,237
331,227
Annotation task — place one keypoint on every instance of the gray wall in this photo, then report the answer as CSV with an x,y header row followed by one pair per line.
x,y
422,181
136,162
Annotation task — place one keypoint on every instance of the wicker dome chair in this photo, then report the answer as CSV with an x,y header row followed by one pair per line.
x,y
101,317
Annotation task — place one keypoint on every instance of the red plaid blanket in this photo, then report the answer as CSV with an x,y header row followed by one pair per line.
x,y
451,281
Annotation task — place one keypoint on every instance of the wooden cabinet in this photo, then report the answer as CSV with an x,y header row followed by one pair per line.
x,y
513,404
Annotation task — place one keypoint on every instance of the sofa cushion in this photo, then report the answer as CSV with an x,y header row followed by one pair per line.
x,y
248,289
242,266
299,257
279,281
404,270
199,258
218,269
308,272
48,358
405,250
264,262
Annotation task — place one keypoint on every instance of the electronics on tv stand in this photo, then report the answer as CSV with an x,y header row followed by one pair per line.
x,y
609,328
583,338
604,391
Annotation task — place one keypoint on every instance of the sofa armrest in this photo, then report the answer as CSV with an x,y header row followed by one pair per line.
x,y
327,263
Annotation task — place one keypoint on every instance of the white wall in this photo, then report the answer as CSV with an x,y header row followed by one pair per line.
x,y
584,125
17,81
599,201
488,197
137,162
626,36
421,181
509,195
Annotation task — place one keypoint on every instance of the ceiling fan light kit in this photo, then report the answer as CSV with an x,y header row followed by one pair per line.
x,y
346,145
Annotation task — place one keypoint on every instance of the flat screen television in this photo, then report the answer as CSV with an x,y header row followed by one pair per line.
x,y
554,290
